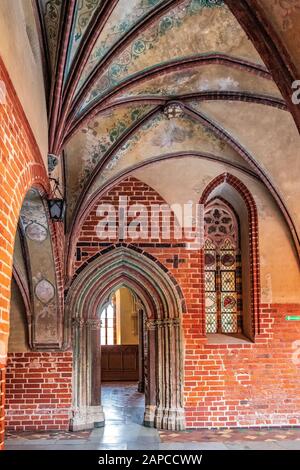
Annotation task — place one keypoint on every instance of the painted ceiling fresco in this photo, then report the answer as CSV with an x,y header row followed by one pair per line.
x,y
163,136
125,61
124,16
88,146
216,31
199,79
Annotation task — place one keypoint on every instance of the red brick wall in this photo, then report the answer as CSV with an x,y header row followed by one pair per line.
x,y
188,272
252,384
2,385
21,166
38,390
136,192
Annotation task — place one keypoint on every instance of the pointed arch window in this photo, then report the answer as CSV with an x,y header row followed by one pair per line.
x,y
108,325
222,269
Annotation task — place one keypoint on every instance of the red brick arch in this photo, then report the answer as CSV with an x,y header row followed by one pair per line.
x,y
21,167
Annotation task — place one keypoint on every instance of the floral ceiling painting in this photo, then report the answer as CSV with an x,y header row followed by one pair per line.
x,y
125,61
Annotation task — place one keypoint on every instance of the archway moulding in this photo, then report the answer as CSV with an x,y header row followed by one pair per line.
x,y
162,301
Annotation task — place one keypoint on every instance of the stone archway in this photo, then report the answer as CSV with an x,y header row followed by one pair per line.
x,y
162,300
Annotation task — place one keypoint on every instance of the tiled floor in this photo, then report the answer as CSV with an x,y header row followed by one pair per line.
x,y
124,408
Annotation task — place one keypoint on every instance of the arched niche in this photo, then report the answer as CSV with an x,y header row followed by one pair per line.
x,y
36,238
232,191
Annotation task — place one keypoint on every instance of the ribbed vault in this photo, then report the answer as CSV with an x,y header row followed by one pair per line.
x,y
115,66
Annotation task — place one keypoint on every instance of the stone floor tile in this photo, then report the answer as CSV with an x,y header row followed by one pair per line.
x,y
124,409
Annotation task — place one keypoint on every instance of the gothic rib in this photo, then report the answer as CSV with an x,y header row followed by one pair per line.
x,y
121,44
24,282
24,290
87,43
204,120
214,95
43,43
57,79
255,23
224,135
178,64
115,147
82,209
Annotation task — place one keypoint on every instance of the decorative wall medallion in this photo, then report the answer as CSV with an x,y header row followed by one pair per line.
x,y
37,232
44,291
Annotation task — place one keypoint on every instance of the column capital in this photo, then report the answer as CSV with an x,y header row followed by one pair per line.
x,y
78,322
93,323
160,323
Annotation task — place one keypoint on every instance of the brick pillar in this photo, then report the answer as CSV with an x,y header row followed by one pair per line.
x,y
21,166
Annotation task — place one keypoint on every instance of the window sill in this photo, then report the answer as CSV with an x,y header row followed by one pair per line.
x,y
227,339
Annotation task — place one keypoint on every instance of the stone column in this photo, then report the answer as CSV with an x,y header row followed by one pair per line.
x,y
151,389
87,409
169,413
141,384
94,326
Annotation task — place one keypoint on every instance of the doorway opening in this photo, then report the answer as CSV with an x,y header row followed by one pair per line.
x,y
161,301
123,346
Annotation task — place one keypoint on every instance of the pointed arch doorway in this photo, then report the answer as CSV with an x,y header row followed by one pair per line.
x,y
122,339
162,303
124,350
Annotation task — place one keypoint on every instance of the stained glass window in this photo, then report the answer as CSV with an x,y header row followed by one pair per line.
x,y
108,325
222,262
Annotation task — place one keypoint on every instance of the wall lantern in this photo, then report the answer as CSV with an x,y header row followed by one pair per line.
x,y
56,203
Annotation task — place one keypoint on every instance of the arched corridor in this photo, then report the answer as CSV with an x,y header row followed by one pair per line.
x,y
149,223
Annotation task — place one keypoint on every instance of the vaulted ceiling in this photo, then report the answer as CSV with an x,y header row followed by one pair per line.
x,y
116,69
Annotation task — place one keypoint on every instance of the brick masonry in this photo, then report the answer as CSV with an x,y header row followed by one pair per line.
x,y
254,384
241,385
2,385
21,167
248,384
38,391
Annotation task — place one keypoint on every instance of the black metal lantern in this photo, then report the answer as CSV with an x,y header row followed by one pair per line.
x,y
57,205
57,209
